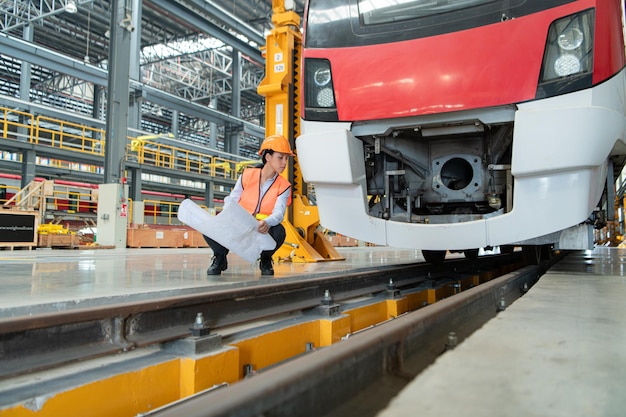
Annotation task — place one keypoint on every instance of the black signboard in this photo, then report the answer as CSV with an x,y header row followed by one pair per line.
x,y
17,228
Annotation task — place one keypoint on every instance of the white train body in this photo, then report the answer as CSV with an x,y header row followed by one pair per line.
x,y
489,149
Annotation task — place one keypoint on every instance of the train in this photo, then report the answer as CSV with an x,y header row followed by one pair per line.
x,y
460,125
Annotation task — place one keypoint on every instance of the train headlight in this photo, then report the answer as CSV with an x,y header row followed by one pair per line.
x,y
325,98
322,77
319,94
566,65
568,57
571,39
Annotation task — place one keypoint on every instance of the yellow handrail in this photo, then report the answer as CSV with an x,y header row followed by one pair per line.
x,y
16,119
5,190
43,130
71,136
173,157
156,211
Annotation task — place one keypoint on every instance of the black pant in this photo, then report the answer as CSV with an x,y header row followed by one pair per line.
x,y
276,232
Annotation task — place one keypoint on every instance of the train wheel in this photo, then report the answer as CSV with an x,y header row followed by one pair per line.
x,y
507,249
434,256
471,253
532,254
546,252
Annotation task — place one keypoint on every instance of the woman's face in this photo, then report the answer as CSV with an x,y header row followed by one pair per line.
x,y
277,161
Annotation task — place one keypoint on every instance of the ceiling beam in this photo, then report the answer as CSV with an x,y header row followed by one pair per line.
x,y
59,63
200,22
231,21
46,58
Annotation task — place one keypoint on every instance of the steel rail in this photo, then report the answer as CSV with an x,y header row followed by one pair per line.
x,y
43,341
320,381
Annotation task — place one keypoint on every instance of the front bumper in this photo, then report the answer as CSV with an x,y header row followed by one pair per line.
x,y
559,167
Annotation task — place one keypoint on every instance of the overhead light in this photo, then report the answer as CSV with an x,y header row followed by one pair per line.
x,y
70,6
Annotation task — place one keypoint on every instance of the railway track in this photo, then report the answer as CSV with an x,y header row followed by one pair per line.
x,y
52,341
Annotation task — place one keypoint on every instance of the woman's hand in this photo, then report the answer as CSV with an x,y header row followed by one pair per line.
x,y
263,227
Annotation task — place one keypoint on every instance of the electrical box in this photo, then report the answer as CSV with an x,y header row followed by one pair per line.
x,y
113,214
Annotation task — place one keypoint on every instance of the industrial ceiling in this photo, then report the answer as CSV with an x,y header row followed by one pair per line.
x,y
186,45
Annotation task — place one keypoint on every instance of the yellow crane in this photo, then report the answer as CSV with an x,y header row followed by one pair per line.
x,y
281,89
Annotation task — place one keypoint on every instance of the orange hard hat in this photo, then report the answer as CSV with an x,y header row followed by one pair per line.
x,y
277,143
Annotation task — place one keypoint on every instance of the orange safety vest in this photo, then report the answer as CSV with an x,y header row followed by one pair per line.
x,y
252,201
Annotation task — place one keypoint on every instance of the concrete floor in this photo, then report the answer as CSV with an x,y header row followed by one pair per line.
x,y
559,351
51,279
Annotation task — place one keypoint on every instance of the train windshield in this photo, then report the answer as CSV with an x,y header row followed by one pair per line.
x,y
374,12
346,23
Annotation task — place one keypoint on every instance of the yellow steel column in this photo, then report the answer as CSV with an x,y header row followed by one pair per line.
x,y
281,88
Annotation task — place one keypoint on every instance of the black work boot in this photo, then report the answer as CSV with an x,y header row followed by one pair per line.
x,y
266,265
219,264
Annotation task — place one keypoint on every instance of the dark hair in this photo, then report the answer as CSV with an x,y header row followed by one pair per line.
x,y
266,152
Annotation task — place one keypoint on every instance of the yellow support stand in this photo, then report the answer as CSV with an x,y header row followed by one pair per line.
x,y
304,242
281,88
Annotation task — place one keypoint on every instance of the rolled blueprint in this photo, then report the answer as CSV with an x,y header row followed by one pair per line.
x,y
234,228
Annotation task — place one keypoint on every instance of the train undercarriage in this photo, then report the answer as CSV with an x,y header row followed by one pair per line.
x,y
439,174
